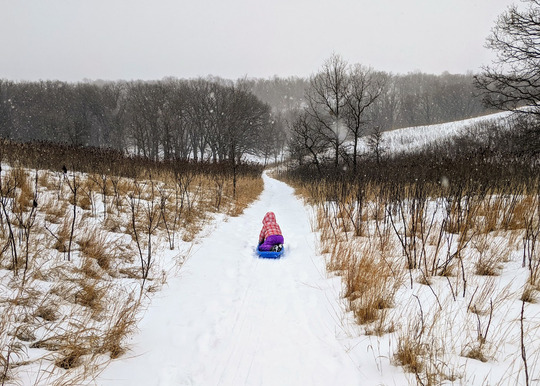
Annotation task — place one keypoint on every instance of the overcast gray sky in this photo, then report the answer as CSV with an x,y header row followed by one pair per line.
x,y
150,39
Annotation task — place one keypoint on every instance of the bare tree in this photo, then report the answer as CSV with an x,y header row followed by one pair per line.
x,y
364,87
113,119
200,110
245,118
6,107
375,143
385,110
272,140
174,120
307,139
326,99
513,80
145,101
217,117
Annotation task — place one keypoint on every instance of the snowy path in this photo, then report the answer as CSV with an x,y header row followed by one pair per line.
x,y
232,319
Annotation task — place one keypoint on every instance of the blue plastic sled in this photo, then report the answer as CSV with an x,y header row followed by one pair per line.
x,y
270,254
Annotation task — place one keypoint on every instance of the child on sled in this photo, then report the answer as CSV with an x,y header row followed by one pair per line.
x,y
270,238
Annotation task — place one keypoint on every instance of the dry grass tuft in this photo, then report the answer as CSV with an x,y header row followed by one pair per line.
x,y
491,257
192,225
49,344
55,210
370,284
381,326
65,290
47,312
410,353
61,237
481,301
94,244
113,224
529,294
120,328
369,287
25,333
476,352
71,358
487,267
130,272
85,201
90,268
448,270
25,196
90,295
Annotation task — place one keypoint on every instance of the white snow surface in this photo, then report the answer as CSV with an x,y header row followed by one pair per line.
x,y
417,137
230,318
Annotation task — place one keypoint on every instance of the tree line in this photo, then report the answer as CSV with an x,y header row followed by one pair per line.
x,y
412,99
208,118
200,119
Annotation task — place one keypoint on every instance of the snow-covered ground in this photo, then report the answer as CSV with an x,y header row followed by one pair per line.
x,y
413,138
230,318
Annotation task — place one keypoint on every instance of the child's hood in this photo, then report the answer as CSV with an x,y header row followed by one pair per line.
x,y
269,218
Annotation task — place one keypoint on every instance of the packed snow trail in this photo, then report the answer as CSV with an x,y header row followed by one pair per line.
x,y
232,319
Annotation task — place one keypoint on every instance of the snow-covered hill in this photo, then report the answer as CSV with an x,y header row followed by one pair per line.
x,y
413,138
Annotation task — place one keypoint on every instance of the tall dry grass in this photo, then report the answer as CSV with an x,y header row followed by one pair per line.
x,y
84,292
446,249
